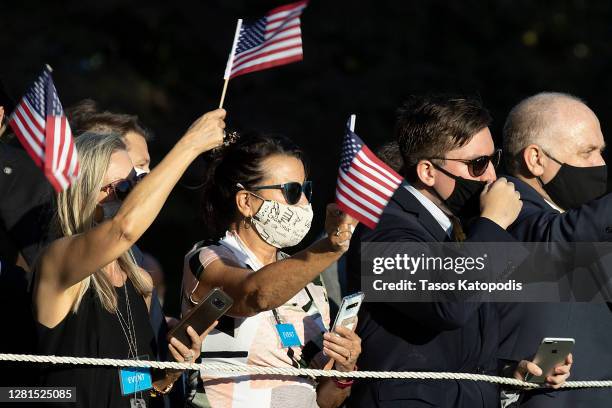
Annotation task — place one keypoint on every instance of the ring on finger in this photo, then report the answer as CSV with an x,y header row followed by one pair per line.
x,y
188,357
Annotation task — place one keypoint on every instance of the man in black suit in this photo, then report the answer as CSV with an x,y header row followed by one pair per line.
x,y
553,144
448,160
25,197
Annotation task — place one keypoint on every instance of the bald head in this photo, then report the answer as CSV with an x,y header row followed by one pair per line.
x,y
560,124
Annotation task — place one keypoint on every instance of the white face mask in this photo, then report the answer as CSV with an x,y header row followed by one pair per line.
x,y
282,225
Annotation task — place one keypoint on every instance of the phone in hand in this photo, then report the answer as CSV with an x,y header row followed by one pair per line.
x,y
552,352
209,309
349,308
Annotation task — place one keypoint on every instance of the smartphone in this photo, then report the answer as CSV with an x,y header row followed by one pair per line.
x,y
552,352
211,308
347,315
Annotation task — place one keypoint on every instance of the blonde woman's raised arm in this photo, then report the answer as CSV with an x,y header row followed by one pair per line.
x,y
71,259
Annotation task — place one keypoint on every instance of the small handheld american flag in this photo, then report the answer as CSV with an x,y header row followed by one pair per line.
x,y
43,130
275,39
365,183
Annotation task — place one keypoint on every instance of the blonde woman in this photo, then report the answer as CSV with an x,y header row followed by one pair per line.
x,y
90,297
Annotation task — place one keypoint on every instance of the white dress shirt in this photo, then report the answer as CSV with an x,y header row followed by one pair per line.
x,y
434,210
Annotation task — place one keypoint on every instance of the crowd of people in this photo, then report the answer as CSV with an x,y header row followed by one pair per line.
x,y
71,269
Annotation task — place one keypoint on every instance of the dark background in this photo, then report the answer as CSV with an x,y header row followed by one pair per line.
x,y
164,61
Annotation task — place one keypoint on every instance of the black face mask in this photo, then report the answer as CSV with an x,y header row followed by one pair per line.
x,y
464,201
574,186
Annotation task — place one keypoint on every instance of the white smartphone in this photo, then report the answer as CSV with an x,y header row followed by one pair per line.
x,y
347,315
552,352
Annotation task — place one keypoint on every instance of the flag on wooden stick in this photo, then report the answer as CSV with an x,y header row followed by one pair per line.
x,y
365,183
273,40
43,130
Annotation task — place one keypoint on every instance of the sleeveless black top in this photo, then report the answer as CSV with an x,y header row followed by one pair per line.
x,y
94,332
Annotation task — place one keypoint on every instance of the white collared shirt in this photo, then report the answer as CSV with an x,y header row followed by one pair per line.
x,y
434,210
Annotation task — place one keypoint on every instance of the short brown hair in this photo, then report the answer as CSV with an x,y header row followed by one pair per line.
x,y
389,153
430,126
85,116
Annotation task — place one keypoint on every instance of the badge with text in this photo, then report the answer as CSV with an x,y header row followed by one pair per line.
x,y
135,379
288,335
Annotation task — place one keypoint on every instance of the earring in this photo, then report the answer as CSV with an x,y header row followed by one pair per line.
x,y
246,221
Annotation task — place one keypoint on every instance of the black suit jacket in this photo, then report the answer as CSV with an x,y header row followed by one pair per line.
x,y
457,337
25,205
524,325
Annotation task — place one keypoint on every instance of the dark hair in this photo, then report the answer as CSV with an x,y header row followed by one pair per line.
x,y
85,116
239,162
390,154
430,126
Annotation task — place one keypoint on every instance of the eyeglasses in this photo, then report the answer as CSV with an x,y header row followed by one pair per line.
x,y
291,191
479,165
121,188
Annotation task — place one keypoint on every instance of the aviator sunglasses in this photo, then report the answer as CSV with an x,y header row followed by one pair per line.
x,y
479,165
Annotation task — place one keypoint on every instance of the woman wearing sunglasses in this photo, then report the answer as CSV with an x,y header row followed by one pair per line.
x,y
257,202
90,297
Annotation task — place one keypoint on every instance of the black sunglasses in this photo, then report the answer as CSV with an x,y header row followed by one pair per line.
x,y
291,191
479,165
121,188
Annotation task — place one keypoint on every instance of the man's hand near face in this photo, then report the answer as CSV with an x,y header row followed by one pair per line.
x,y
500,202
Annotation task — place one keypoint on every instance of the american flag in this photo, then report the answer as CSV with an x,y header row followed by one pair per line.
x,y
275,39
43,130
365,183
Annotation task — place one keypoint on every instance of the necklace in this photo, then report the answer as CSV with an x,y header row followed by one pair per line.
x,y
127,325
129,331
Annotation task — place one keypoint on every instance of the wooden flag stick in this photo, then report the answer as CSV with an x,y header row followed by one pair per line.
x,y
223,93
230,62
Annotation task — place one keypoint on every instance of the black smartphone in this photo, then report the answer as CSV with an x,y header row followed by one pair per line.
x,y
209,309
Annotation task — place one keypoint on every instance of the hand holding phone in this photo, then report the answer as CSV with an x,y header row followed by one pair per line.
x,y
204,314
349,308
551,353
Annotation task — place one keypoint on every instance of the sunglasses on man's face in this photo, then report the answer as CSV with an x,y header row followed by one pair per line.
x,y
479,165
291,191
121,188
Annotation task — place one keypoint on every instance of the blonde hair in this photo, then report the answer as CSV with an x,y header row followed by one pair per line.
x,y
76,207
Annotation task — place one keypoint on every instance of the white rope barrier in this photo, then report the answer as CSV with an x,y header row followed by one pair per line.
x,y
216,368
